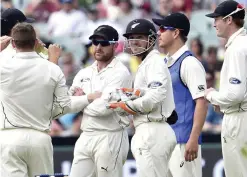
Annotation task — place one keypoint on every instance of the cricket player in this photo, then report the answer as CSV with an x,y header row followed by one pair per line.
x,y
32,93
9,18
154,139
231,98
102,148
189,84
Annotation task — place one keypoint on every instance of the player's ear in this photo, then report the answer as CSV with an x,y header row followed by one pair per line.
x,y
116,45
13,43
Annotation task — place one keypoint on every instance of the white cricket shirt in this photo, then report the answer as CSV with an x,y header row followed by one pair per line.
x,y
96,117
33,92
232,94
154,77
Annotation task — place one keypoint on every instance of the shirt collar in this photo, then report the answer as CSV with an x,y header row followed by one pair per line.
x,y
176,55
241,31
26,55
148,57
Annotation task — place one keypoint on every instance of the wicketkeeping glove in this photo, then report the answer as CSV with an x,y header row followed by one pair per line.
x,y
133,93
122,107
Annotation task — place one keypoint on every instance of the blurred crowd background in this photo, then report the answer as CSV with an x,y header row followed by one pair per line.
x,y
70,23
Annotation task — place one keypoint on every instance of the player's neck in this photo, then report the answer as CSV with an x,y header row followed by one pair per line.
x,y
172,49
103,64
231,31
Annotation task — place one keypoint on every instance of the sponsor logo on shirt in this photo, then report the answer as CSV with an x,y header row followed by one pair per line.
x,y
201,88
154,84
234,80
85,79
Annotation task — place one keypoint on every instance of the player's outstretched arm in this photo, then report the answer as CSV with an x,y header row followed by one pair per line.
x,y
65,103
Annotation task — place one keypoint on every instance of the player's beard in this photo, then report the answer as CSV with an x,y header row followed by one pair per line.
x,y
104,56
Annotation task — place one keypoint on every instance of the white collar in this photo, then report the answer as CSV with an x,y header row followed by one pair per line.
x,y
26,55
171,59
241,31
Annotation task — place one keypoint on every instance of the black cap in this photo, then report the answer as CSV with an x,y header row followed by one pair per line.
x,y
140,26
10,17
13,15
228,8
176,20
105,31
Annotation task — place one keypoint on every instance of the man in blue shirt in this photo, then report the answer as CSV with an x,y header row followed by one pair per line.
x,y
189,84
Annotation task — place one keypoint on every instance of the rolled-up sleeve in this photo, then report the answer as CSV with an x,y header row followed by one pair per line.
x,y
157,79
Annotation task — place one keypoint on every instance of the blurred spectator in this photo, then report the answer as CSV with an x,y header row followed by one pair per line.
x,y
212,62
221,49
5,4
127,12
146,10
213,119
184,6
65,21
111,8
69,68
197,49
40,10
163,8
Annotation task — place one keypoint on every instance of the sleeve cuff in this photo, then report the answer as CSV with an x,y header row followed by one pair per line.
x,y
210,96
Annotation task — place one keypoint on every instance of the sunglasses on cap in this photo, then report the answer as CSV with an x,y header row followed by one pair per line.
x,y
162,29
103,43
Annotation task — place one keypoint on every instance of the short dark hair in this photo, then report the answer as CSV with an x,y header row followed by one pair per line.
x,y
238,22
212,49
183,37
200,45
23,36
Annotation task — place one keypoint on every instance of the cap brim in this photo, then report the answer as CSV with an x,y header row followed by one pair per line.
x,y
213,15
98,35
30,20
158,22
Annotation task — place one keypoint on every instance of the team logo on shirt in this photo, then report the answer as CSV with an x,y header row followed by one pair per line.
x,y
201,88
85,79
154,84
234,80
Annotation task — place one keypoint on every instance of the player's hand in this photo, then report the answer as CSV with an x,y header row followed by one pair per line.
x,y
123,106
54,52
216,108
4,42
78,92
39,46
208,91
191,150
93,96
132,93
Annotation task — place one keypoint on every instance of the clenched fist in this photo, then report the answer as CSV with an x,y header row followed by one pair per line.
x,y
54,52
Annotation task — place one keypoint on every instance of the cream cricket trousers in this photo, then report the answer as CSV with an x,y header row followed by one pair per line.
x,y
152,146
178,167
234,144
100,154
25,153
